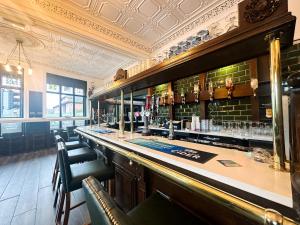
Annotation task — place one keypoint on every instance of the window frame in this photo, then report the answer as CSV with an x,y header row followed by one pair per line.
x,y
12,74
73,95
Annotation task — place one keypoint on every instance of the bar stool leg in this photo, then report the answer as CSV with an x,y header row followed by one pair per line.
x,y
55,173
67,208
57,192
60,208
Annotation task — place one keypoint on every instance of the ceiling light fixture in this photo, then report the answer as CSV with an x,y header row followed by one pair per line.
x,y
19,48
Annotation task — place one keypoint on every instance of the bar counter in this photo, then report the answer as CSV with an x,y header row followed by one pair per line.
x,y
255,178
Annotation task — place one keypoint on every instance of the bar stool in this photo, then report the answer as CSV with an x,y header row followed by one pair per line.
x,y
72,136
70,144
77,153
71,179
156,210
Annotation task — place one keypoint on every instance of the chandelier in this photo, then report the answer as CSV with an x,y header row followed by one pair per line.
x,y
19,48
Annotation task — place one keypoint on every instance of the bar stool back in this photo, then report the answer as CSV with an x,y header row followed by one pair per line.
x,y
76,155
71,178
156,210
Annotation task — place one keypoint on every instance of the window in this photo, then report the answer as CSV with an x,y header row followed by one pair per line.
x,y
7,128
53,105
11,100
66,97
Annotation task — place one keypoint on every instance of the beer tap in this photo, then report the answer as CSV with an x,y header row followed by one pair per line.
x,y
172,97
196,92
182,95
229,86
211,90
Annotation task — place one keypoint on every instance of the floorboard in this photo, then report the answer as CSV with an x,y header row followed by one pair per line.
x,y
7,209
26,196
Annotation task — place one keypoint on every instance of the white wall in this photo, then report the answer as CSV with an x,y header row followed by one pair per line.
x,y
37,82
294,7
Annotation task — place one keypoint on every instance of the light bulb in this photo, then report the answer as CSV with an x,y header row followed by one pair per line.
x,y
30,71
19,72
7,68
19,67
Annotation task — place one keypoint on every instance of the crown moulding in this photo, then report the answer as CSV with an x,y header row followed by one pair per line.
x,y
56,15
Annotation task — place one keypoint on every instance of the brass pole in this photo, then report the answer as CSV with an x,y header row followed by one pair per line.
x,y
98,113
276,95
121,121
131,112
91,112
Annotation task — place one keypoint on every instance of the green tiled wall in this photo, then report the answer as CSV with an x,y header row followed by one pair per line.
x,y
290,57
239,73
234,109
186,111
163,110
186,84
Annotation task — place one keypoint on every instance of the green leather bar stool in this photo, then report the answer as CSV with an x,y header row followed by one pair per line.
x,y
71,179
72,136
156,210
71,144
77,153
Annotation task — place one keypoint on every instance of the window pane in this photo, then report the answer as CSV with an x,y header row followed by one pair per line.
x,y
53,88
11,128
79,91
10,103
52,105
11,82
67,123
79,122
79,106
54,125
66,90
66,105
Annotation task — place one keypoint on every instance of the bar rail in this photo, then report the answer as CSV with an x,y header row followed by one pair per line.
x,y
252,211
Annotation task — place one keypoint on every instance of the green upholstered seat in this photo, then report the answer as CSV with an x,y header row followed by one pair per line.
x,y
100,205
81,155
156,210
72,175
75,144
71,144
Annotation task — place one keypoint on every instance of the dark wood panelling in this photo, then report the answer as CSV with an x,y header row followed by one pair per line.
x,y
129,183
199,206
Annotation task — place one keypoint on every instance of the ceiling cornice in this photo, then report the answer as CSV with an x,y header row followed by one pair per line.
x,y
53,13
197,22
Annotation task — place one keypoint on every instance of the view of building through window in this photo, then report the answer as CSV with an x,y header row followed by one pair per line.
x,y
65,101
11,100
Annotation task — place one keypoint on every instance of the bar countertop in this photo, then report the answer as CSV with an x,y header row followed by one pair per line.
x,y
253,177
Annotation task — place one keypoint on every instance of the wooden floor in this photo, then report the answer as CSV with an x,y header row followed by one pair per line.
x,y
26,195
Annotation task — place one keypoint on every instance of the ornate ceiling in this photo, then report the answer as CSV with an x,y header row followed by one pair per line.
x,y
49,48
96,37
150,20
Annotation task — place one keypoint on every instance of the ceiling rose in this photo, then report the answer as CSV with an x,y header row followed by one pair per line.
x,y
10,35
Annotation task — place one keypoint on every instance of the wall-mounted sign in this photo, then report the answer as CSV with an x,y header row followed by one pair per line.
x,y
35,104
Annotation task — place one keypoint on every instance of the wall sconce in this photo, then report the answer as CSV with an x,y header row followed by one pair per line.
x,y
254,85
172,97
196,92
229,86
182,95
211,90
164,96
